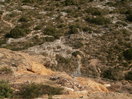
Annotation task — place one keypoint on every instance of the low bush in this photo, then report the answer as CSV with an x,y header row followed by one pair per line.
x,y
128,54
23,19
73,29
5,90
114,74
17,32
62,59
34,90
96,11
52,31
129,17
31,1
98,20
128,76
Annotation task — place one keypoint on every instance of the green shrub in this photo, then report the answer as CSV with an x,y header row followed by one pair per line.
x,y
38,27
31,1
129,17
114,74
34,90
76,53
23,19
70,2
52,31
73,29
128,76
5,90
5,70
96,11
62,59
98,20
17,32
74,2
128,54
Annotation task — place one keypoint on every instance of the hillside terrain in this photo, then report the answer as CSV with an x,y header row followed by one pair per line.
x,y
73,48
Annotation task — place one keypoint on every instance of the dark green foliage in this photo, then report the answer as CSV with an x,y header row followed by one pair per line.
x,y
128,54
23,19
17,32
5,90
114,74
76,53
34,90
96,11
38,27
5,70
74,2
61,59
73,29
31,1
52,31
98,20
70,2
49,39
128,76
129,17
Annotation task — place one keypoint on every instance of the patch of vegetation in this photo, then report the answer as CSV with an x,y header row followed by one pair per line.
x,y
38,27
5,70
96,11
74,2
76,53
52,31
78,44
129,17
114,74
23,19
73,29
99,20
17,32
5,90
34,90
61,59
128,76
31,1
128,54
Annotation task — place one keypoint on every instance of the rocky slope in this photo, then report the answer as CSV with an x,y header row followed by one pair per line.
x,y
64,42
27,68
